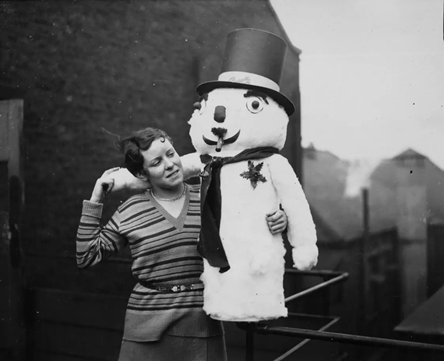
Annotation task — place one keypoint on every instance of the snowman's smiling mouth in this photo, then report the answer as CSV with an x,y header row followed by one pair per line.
x,y
221,141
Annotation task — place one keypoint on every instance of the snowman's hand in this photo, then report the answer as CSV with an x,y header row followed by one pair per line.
x,y
305,257
123,179
192,165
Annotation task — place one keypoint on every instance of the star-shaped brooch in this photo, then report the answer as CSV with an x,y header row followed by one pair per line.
x,y
254,174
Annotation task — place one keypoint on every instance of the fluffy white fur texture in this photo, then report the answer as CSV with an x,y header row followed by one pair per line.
x,y
252,290
123,179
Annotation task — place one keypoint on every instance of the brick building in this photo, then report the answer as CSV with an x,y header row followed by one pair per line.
x,y
81,66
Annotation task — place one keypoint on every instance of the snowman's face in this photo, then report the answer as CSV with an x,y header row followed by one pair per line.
x,y
230,120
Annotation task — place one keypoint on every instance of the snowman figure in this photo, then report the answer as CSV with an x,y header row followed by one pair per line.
x,y
238,127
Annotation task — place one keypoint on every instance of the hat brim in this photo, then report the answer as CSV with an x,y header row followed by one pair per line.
x,y
278,97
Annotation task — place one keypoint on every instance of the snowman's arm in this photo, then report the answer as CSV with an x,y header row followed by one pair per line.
x,y
123,179
192,165
301,228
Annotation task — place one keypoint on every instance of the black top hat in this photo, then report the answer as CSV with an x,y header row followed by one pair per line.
x,y
253,59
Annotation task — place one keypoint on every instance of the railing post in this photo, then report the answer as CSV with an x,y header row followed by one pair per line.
x,y
249,355
325,298
363,244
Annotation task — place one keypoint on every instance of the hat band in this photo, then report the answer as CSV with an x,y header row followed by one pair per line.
x,y
244,77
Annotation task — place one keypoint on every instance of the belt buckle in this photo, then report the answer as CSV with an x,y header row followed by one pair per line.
x,y
179,288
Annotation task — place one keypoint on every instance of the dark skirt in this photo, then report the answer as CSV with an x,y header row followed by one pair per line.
x,y
172,348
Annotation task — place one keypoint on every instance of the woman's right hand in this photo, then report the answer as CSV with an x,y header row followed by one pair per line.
x,y
103,185
115,179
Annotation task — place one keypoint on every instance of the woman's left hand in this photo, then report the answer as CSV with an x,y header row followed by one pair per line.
x,y
277,221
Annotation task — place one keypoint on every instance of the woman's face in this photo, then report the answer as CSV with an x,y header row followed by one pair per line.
x,y
163,165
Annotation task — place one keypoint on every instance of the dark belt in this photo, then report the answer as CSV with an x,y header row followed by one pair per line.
x,y
172,288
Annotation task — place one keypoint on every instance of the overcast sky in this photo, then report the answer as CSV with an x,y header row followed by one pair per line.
x,y
372,75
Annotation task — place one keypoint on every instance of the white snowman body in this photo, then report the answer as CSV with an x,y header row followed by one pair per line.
x,y
252,289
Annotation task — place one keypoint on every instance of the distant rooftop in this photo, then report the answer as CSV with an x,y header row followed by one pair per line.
x,y
409,154
340,218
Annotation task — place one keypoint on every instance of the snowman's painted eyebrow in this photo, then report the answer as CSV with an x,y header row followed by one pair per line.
x,y
256,93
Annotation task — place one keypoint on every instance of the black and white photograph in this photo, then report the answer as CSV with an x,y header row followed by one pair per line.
x,y
221,180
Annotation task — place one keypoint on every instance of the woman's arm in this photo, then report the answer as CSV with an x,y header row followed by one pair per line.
x,y
277,221
93,242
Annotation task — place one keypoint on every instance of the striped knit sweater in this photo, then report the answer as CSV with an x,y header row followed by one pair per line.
x,y
163,250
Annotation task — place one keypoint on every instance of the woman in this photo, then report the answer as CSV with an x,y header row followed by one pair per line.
x,y
164,317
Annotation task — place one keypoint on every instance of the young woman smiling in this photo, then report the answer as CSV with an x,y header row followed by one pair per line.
x,y
164,317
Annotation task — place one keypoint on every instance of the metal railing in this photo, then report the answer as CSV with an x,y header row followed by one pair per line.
x,y
329,278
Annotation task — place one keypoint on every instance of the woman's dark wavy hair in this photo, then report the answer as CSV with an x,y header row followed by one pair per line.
x,y
138,141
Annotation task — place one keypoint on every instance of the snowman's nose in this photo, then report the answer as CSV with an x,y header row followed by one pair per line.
x,y
219,114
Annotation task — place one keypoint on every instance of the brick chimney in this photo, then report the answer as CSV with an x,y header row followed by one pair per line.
x,y
411,196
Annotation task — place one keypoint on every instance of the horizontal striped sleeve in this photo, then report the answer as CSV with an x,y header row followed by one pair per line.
x,y
93,242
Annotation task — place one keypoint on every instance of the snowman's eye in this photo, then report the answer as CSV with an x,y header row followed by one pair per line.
x,y
200,106
254,104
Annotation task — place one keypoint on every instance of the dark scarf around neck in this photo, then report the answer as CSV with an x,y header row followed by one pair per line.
x,y
210,245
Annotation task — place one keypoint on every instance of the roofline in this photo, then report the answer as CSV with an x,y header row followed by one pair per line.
x,y
308,149
425,157
400,155
286,37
